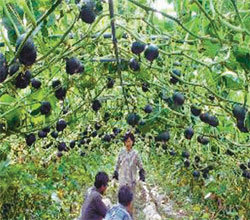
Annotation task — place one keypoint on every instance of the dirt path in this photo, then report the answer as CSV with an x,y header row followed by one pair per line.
x,y
149,204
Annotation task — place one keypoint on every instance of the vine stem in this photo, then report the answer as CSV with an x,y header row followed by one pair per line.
x,y
237,12
53,7
208,17
191,83
112,22
28,12
65,53
146,8
10,18
162,51
212,8
61,40
5,39
197,85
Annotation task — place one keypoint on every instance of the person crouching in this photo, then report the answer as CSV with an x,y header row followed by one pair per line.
x,y
123,210
93,207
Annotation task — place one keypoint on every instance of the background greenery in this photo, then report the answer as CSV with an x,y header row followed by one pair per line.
x,y
207,40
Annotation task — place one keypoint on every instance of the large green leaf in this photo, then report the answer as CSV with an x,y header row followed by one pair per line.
x,y
242,56
211,48
6,98
232,81
11,113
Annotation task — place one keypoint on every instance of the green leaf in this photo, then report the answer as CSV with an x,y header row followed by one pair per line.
x,y
194,25
211,49
13,118
38,120
232,81
53,101
4,165
44,30
247,121
12,36
169,25
7,98
36,110
51,21
9,21
38,95
194,8
222,189
247,22
28,12
242,56
4,150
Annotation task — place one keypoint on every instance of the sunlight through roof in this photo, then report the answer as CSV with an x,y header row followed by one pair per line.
x,y
163,5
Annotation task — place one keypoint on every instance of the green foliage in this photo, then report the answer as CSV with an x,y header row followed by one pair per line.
x,y
207,42
242,56
37,187
11,115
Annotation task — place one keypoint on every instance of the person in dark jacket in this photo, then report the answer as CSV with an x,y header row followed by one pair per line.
x,y
93,207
